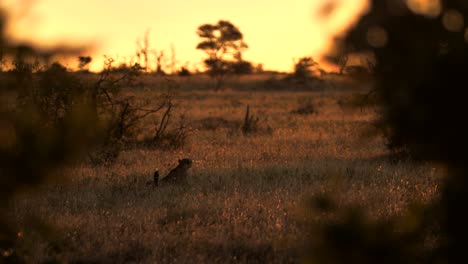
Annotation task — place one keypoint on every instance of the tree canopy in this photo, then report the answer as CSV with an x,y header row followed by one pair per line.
x,y
223,43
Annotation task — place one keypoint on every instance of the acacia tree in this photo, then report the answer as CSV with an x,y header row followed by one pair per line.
x,y
223,43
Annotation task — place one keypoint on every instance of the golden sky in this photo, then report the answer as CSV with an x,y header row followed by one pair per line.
x,y
276,31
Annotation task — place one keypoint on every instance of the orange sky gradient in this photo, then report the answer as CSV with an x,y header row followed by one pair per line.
x,y
276,31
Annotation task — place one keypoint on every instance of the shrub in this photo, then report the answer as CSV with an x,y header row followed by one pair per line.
x,y
420,72
214,123
252,124
184,72
304,72
306,107
167,136
359,100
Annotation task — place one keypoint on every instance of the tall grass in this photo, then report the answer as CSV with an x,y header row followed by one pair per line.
x,y
247,197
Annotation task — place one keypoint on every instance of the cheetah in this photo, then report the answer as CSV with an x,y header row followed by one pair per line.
x,y
178,175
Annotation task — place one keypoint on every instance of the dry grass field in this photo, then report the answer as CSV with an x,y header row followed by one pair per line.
x,y
247,197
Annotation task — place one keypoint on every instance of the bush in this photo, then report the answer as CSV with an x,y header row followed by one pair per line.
x,y
253,125
214,123
420,72
358,100
304,72
306,107
50,126
184,72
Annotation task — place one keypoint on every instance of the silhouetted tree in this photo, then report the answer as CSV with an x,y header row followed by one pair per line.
x,y
173,60
420,77
242,67
184,71
259,68
83,62
303,67
219,41
143,50
303,70
159,58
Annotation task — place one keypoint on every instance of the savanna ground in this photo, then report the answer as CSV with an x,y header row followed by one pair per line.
x,y
248,196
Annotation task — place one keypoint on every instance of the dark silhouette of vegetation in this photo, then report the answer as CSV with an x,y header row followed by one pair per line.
x,y
359,100
303,69
306,107
259,68
84,62
250,124
173,61
306,71
184,72
121,113
143,55
254,125
420,75
166,137
220,41
241,67
37,136
54,117
159,59
343,63
358,72
143,50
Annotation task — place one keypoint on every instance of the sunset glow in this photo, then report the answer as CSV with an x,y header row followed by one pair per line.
x,y
276,31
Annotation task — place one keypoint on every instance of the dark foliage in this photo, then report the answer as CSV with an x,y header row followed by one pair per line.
x,y
306,107
84,61
358,72
254,125
184,72
42,129
223,43
250,122
51,117
420,75
304,73
242,67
